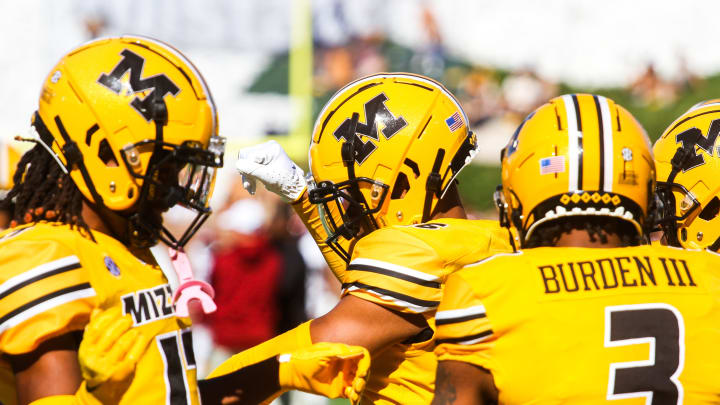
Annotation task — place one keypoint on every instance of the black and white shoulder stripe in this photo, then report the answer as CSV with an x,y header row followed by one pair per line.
x,y
394,270
459,315
413,304
467,340
47,301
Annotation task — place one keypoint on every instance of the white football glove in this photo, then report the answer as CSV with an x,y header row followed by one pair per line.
x,y
268,163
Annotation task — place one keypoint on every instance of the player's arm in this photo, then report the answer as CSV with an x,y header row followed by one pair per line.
x,y
269,164
459,383
353,321
46,300
330,369
310,216
52,369
464,334
108,353
356,321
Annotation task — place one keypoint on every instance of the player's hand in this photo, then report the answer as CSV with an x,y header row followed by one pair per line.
x,y
269,164
110,349
330,369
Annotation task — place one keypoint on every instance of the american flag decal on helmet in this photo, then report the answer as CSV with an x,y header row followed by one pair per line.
x,y
553,164
454,122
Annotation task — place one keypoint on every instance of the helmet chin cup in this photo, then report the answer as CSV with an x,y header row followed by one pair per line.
x,y
347,232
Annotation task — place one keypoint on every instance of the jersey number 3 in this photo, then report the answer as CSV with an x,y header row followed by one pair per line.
x,y
656,379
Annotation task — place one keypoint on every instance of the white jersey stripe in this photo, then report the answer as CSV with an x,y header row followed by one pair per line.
x,y
46,306
473,341
37,271
395,268
487,259
459,313
573,134
410,306
607,144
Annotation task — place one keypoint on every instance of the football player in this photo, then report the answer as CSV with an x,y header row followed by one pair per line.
x,y
126,128
687,160
583,313
385,210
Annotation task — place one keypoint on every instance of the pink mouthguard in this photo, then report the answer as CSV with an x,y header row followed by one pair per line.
x,y
190,289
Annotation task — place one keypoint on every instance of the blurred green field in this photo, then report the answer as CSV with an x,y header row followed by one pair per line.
x,y
477,184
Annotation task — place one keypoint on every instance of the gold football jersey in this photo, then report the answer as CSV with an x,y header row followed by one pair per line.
x,y
51,278
404,268
635,325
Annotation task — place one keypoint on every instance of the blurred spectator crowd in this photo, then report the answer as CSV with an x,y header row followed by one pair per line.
x,y
268,274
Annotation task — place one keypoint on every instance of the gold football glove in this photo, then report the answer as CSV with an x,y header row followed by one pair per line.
x,y
330,369
108,354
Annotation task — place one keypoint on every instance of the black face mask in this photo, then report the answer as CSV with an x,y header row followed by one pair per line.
x,y
344,212
177,174
667,209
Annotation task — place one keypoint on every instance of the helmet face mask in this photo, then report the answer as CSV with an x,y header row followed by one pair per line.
x,y
180,174
675,205
136,128
385,150
355,213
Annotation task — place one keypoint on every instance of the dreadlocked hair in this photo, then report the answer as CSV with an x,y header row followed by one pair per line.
x,y
42,191
597,227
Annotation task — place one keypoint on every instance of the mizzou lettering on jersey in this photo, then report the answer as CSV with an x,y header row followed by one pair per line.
x,y
149,305
614,272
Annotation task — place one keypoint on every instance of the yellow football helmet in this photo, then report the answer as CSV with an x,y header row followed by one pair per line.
x,y
688,185
577,155
133,123
385,149
9,158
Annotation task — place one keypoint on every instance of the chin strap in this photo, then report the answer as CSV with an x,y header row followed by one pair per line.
x,y
136,223
433,185
70,152
668,221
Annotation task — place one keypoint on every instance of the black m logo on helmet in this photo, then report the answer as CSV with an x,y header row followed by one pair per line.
x,y
374,109
692,139
160,85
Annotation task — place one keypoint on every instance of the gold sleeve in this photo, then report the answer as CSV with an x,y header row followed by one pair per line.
x,y
42,295
310,216
464,332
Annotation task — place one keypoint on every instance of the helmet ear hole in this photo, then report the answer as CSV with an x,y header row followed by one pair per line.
x,y
711,210
106,154
401,187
